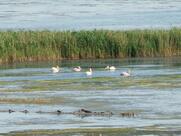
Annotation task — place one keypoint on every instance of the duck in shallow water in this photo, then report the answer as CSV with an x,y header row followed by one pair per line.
x,y
25,111
85,111
59,111
10,111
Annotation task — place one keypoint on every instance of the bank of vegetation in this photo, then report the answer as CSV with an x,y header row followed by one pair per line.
x,y
19,46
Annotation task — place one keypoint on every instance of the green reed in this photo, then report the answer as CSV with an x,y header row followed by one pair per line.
x,y
53,45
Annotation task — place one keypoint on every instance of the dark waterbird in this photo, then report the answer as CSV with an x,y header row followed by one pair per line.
x,y
86,111
59,111
25,111
10,111
127,114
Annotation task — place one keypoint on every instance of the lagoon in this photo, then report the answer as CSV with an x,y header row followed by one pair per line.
x,y
152,92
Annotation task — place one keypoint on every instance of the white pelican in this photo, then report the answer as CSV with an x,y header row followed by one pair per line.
x,y
55,69
107,67
126,74
111,68
89,73
77,69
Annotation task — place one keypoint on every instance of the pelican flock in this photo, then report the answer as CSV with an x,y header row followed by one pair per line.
x,y
89,72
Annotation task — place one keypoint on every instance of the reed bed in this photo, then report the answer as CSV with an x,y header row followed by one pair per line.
x,y
19,46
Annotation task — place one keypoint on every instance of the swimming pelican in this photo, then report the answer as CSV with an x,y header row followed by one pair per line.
x,y
77,69
107,67
126,74
111,68
55,69
89,73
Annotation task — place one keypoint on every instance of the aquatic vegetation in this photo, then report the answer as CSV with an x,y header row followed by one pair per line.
x,y
31,100
84,131
96,83
95,132
52,45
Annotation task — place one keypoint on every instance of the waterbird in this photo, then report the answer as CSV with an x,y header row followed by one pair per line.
x,y
77,69
110,68
86,111
55,69
25,111
59,111
126,74
89,73
10,111
127,114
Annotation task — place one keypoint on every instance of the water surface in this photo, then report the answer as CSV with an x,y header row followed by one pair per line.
x,y
152,92
83,14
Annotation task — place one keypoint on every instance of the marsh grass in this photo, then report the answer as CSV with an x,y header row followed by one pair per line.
x,y
19,46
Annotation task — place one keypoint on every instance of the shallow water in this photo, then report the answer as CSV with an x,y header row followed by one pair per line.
x,y
83,14
152,92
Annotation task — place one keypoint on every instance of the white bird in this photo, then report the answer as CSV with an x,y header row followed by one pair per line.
x,y
55,69
89,73
111,68
126,74
77,69
107,67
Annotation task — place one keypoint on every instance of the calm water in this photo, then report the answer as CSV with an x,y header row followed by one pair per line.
x,y
83,14
152,92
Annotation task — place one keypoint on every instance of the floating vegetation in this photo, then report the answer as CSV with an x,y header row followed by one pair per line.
x,y
95,132
66,132
19,46
96,83
31,100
